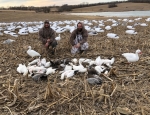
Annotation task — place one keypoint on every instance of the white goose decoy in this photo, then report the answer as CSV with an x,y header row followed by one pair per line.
x,y
50,71
48,64
148,19
36,69
80,67
136,24
131,21
88,28
23,33
143,24
58,38
81,60
61,30
43,61
130,27
87,60
22,69
99,69
131,32
92,62
107,61
25,70
68,74
67,67
108,27
34,62
101,24
92,33
132,57
75,60
99,30
32,53
7,32
98,61
19,68
115,24
13,34
112,35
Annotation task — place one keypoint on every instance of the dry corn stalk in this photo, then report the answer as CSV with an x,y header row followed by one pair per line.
x,y
48,93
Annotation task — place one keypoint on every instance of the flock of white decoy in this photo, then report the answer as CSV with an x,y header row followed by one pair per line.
x,y
40,68
93,26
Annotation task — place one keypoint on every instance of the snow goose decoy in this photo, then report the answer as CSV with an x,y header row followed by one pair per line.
x,y
131,32
61,30
23,33
80,67
98,61
99,69
115,24
108,62
132,57
32,53
92,33
143,24
112,35
130,27
75,60
43,61
99,30
50,71
34,62
68,74
58,38
22,69
48,64
13,34
108,27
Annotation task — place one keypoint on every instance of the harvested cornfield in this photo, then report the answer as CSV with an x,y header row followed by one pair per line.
x,y
125,89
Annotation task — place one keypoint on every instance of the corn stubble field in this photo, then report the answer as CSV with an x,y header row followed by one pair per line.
x,y
124,90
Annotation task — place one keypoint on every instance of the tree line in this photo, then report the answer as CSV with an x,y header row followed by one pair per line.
x,y
139,1
67,7
62,8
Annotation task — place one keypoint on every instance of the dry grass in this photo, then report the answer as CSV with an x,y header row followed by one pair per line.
x,y
121,7
11,16
129,88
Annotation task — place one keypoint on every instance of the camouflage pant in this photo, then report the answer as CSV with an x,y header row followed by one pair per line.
x,y
53,44
84,46
46,50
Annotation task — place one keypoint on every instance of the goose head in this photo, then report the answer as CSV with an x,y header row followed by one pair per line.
x,y
29,47
138,51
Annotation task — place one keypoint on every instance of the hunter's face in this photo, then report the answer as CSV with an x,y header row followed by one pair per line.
x,y
79,27
47,25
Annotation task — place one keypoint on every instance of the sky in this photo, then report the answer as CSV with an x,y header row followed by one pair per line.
x,y
7,3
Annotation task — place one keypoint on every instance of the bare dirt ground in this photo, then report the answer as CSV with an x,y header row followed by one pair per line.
x,y
127,89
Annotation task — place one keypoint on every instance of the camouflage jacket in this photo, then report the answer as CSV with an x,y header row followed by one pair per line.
x,y
84,34
47,33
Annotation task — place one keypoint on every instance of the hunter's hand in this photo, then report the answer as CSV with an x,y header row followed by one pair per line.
x,y
48,40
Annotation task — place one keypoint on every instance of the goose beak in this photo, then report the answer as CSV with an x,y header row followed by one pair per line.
x,y
140,53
